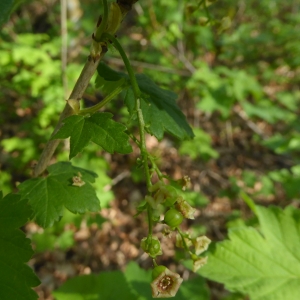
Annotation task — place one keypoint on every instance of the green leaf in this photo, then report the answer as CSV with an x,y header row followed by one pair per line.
x,y
105,286
160,111
47,196
139,281
193,289
16,278
6,7
98,128
200,146
266,264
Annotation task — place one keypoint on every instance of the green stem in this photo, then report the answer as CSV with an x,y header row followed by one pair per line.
x,y
154,263
137,95
108,98
134,139
150,220
135,87
141,122
103,24
155,168
183,240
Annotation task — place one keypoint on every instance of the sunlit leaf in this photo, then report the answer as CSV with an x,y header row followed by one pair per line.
x,y
263,264
98,128
49,195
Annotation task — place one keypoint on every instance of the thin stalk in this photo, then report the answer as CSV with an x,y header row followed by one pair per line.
x,y
103,23
137,95
86,74
107,99
135,87
150,220
77,93
154,263
183,240
155,168
134,139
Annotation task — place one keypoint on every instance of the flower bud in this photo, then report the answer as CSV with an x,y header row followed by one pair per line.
x,y
156,186
74,104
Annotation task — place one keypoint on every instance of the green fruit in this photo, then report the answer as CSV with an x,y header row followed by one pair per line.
x,y
173,218
151,247
157,271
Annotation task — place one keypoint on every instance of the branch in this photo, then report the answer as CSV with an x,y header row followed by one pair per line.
x,y
86,74
77,93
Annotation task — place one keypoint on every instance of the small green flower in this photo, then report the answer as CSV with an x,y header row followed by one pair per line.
x,y
186,210
151,201
199,263
156,186
201,244
166,284
185,182
163,194
179,242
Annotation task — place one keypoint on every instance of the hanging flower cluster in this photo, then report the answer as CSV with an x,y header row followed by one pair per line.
x,y
166,283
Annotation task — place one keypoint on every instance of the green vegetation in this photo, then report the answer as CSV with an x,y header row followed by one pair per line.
x,y
195,134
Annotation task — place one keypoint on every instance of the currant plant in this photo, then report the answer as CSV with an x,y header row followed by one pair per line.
x,y
260,261
154,111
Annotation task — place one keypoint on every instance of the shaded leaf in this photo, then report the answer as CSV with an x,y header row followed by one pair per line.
x,y
105,286
160,111
47,196
16,278
98,128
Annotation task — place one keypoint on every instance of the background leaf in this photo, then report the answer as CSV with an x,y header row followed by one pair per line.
x,y
160,111
16,278
99,128
105,286
49,195
264,265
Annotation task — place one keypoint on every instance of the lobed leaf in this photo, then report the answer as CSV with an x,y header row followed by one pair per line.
x,y
16,278
98,128
264,264
160,111
47,196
